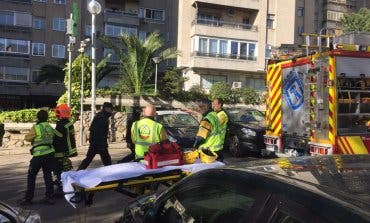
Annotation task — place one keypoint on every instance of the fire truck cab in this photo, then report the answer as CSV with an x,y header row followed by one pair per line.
x,y
320,104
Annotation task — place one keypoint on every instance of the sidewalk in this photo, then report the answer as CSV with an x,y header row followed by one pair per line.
x,y
80,149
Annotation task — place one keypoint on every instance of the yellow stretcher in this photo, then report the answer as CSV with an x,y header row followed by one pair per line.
x,y
132,187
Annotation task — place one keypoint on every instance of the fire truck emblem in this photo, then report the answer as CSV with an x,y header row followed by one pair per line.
x,y
293,90
144,132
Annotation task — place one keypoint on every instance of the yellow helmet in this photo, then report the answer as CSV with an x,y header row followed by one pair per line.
x,y
207,156
191,156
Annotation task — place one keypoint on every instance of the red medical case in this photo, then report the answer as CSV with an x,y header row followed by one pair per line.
x,y
164,154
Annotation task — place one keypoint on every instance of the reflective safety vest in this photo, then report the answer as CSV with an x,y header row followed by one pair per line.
x,y
223,126
214,141
71,146
72,150
42,144
145,133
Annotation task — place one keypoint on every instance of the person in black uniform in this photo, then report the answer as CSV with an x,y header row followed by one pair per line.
x,y
98,137
65,146
131,118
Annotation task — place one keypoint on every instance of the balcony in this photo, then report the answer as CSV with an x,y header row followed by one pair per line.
x,y
246,4
224,29
121,17
223,61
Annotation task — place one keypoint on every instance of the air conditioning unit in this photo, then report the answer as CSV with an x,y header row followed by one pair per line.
x,y
236,85
231,12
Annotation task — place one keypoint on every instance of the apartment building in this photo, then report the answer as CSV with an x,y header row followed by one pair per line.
x,y
219,40
32,34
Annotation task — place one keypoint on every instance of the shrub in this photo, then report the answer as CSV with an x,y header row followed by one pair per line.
x,y
25,115
221,90
251,96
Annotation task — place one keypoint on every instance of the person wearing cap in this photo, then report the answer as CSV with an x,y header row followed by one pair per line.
x,y
146,132
65,146
99,129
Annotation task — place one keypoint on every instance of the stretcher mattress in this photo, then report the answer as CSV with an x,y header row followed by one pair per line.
x,y
93,177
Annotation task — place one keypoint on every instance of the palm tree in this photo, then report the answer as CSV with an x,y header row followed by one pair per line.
x,y
136,59
50,73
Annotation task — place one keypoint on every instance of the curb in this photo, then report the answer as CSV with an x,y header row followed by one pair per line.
x,y
25,149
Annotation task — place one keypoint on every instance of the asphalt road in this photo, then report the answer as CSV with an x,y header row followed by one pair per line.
x,y
107,206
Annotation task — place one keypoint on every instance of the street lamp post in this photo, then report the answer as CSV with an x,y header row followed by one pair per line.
x,y
94,8
82,51
156,60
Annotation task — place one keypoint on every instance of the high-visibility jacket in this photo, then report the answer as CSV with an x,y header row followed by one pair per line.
x,y
145,133
223,118
214,141
42,143
65,146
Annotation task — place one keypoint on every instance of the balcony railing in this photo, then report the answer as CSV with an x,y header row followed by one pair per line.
x,y
123,13
227,56
225,24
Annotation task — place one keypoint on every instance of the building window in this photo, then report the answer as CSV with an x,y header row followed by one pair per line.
x,y
58,51
220,48
209,80
113,56
8,18
39,23
17,74
334,16
87,30
38,49
300,30
208,19
116,31
270,23
61,2
14,46
154,14
142,35
300,11
34,75
255,84
59,24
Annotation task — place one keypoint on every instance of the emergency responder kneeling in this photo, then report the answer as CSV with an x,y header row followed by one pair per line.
x,y
209,135
41,136
146,132
65,146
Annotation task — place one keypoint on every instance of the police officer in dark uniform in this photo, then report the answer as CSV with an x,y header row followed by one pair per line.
x,y
41,136
98,137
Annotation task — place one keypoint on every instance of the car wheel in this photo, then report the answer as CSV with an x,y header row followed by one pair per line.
x,y
234,146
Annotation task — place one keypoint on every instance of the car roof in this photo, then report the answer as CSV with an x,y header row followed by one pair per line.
x,y
171,112
344,178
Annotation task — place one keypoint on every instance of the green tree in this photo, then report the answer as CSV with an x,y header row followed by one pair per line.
x,y
220,90
136,62
357,22
250,96
50,73
171,83
102,70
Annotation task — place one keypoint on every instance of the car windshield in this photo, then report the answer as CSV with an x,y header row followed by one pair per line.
x,y
177,120
246,116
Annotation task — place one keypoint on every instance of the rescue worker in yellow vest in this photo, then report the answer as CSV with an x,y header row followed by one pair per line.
x,y
41,136
65,146
217,106
208,136
146,132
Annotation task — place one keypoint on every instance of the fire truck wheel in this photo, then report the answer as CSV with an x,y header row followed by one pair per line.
x,y
234,146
